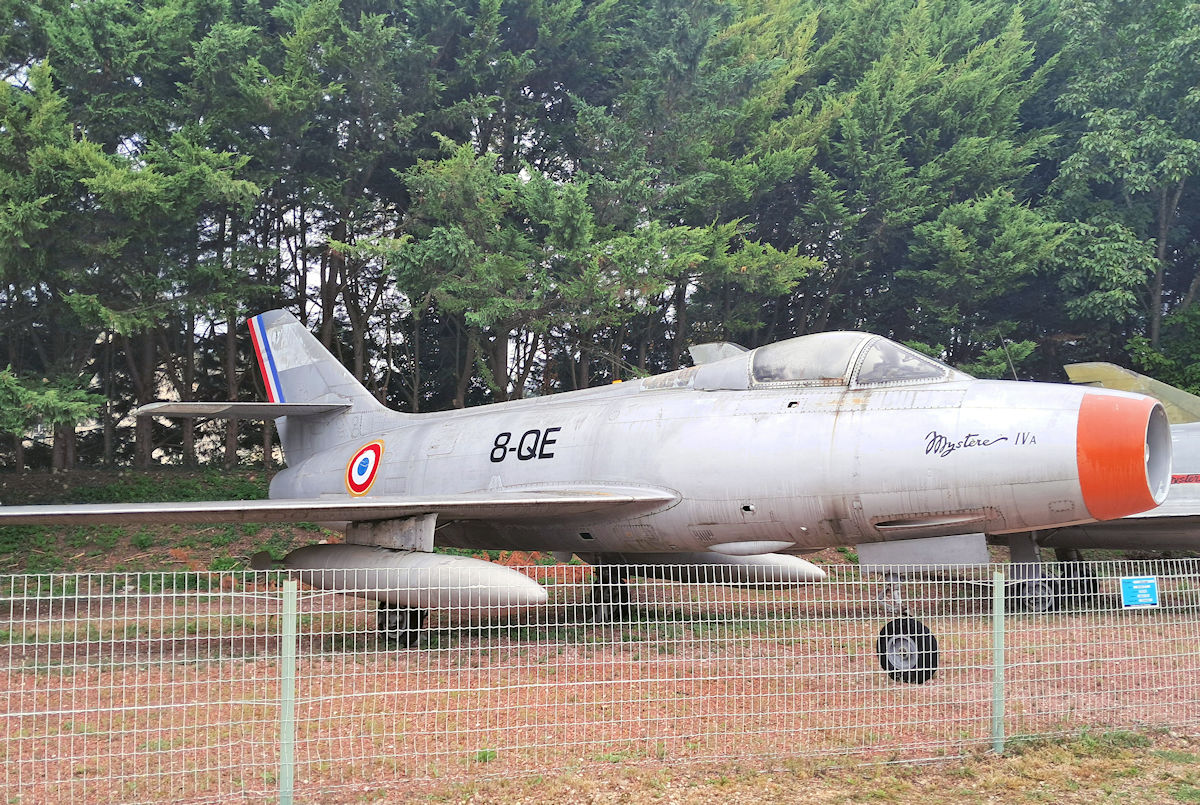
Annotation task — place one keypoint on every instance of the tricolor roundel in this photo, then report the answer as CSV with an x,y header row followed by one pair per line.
x,y
361,469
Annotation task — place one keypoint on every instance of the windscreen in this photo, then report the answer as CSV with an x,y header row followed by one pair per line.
x,y
886,362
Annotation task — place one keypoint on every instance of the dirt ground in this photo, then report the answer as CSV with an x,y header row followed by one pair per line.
x,y
114,693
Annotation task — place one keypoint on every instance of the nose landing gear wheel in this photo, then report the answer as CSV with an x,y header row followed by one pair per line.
x,y
908,651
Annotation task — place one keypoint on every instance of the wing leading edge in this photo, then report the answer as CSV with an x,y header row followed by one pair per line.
x,y
534,504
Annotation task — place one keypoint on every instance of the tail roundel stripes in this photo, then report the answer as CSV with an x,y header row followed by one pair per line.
x,y
266,360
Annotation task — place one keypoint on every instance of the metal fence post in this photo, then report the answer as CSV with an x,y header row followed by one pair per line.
x,y
287,692
998,662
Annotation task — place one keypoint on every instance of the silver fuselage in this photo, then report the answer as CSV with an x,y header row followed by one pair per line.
x,y
752,471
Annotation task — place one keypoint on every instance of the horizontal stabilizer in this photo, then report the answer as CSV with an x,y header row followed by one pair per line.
x,y
493,505
238,410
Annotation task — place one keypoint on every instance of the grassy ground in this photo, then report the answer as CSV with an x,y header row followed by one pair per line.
x,y
36,549
1111,767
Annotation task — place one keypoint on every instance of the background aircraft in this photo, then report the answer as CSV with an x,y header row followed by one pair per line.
x,y
734,465
1173,526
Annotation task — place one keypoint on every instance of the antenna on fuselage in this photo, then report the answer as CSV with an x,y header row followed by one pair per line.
x,y
1004,343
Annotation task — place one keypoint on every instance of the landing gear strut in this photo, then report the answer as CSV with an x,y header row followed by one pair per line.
x,y
398,624
1033,591
1079,586
610,595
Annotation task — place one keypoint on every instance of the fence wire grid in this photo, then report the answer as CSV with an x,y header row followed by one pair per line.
x,y
241,686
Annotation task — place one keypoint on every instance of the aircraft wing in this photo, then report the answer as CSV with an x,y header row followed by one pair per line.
x,y
1173,526
534,504
1176,505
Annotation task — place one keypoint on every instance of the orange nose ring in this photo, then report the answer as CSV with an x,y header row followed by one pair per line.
x,y
1113,453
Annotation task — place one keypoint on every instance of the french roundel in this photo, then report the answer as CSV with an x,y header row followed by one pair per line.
x,y
361,469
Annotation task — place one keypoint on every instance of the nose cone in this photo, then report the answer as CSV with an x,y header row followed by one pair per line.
x,y
1124,454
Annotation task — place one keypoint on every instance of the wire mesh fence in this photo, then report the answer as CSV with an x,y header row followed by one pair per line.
x,y
241,686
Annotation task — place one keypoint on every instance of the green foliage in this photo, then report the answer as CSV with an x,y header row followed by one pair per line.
x,y
277,545
1103,268
25,404
980,256
225,535
133,486
223,564
1131,90
1176,359
477,201
142,540
1005,362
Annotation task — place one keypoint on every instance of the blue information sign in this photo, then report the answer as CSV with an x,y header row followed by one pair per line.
x,y
1139,591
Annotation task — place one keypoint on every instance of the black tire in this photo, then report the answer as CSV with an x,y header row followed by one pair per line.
x,y
1080,587
908,651
400,625
1035,595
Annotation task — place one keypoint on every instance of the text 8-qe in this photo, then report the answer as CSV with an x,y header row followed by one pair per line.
x,y
531,444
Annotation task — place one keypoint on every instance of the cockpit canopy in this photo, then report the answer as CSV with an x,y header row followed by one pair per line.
x,y
844,358
821,359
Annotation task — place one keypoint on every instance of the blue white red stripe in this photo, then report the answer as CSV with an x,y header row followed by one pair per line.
x,y
266,360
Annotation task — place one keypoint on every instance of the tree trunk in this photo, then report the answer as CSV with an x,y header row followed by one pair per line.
x,y
1168,204
1160,264
142,373
681,323
333,276
583,367
187,390
231,388
109,424
268,444
498,364
415,397
62,453
145,425
465,371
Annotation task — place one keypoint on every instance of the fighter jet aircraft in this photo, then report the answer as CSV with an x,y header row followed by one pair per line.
x,y
738,463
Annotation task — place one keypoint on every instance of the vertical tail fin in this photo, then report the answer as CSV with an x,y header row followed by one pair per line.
x,y
296,368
